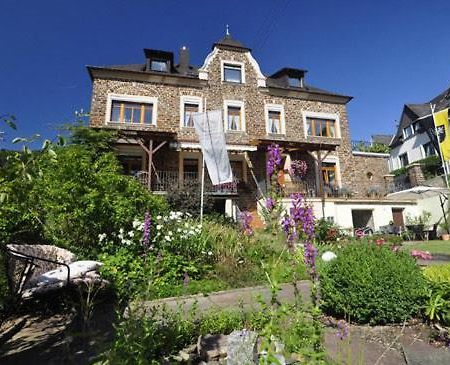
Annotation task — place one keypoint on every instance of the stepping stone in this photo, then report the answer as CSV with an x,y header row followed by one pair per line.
x,y
425,354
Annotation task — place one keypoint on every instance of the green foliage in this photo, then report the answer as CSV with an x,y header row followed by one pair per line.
x,y
399,172
125,270
372,284
71,199
418,220
431,166
437,307
374,147
327,232
146,340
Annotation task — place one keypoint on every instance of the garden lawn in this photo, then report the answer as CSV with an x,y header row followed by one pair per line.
x,y
434,247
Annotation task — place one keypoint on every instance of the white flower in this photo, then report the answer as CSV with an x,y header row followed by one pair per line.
x,y
136,223
209,253
158,217
167,238
328,256
158,227
101,237
170,233
179,230
131,234
121,231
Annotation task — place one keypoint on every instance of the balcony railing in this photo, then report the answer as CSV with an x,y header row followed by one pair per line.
x,y
163,181
358,190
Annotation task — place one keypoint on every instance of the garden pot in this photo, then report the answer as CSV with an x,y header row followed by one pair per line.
x,y
445,237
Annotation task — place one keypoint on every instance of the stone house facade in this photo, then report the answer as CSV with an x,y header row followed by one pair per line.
x,y
151,104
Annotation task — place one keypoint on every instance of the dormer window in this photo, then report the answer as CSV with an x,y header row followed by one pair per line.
x,y
294,82
158,65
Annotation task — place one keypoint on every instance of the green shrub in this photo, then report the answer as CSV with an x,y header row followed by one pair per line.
x,y
70,199
371,284
326,232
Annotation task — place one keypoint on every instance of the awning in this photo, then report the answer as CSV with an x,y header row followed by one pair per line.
x,y
419,192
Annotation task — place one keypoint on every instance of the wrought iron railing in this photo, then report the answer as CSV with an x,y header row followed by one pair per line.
x,y
163,181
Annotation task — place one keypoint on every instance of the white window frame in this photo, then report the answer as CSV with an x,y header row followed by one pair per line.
x,y
333,116
237,104
411,130
232,63
400,161
275,108
133,99
188,99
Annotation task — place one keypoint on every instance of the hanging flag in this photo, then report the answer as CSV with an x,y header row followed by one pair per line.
x,y
209,129
443,133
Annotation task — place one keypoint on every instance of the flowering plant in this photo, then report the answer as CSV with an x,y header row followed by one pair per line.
x,y
273,159
298,169
245,219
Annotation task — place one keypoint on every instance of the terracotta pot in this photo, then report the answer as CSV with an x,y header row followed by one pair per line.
x,y
445,237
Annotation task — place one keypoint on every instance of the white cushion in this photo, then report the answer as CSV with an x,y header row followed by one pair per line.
x,y
79,268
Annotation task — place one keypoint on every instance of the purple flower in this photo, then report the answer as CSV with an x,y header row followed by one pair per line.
x,y
270,204
310,260
343,330
289,229
146,235
302,216
298,169
246,218
273,159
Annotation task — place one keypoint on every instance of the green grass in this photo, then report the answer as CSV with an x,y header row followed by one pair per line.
x,y
434,247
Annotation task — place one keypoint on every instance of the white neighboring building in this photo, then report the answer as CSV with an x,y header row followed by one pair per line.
x,y
414,139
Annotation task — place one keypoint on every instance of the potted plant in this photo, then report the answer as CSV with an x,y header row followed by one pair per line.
x,y
445,226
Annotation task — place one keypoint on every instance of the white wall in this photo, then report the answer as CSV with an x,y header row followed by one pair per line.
x,y
412,146
341,210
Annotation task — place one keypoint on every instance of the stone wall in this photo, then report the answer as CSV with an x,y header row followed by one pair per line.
x,y
353,169
366,172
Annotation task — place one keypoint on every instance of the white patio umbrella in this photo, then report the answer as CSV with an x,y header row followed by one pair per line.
x,y
419,192
422,192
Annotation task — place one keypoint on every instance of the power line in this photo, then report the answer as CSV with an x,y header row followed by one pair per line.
x,y
266,30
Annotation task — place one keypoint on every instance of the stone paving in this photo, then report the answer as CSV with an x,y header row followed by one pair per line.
x,y
244,298
388,345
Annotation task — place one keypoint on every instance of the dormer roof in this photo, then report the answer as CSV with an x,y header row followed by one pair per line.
x,y
230,42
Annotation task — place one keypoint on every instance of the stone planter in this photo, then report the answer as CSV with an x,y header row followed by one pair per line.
x,y
445,237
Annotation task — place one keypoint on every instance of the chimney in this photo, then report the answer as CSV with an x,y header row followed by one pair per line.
x,y
183,66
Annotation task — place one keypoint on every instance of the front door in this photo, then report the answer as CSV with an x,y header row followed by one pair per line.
x,y
397,217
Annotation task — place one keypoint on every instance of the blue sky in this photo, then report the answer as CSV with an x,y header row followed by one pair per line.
x,y
383,53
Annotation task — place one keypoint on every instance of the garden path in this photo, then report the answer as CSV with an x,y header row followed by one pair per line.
x,y
245,298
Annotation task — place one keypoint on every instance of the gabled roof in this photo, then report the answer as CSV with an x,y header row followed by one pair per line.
x,y
420,112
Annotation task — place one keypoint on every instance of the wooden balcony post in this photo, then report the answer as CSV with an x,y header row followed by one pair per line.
x,y
150,163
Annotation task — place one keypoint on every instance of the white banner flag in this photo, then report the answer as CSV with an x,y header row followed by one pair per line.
x,y
209,128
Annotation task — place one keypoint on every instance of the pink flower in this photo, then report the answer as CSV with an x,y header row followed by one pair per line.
x,y
380,242
424,255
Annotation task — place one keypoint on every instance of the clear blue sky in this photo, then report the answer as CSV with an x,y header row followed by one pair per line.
x,y
384,53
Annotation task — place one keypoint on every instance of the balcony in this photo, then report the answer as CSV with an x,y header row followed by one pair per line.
x,y
360,189
164,181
